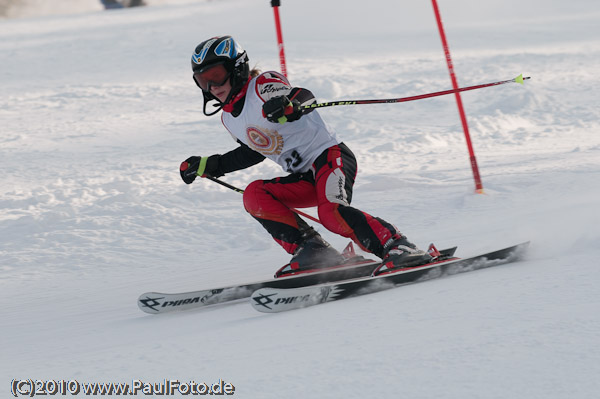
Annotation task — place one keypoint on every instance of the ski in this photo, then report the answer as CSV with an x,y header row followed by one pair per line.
x,y
273,300
154,302
357,266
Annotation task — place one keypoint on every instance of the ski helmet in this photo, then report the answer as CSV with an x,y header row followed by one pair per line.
x,y
229,61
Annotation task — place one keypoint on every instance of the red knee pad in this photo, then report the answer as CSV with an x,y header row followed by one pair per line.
x,y
261,204
252,197
333,221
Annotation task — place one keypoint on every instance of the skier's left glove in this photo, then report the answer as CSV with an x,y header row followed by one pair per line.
x,y
281,110
199,166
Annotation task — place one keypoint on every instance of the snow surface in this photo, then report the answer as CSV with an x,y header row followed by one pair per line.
x,y
98,109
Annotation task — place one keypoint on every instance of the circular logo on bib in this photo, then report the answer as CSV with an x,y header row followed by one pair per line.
x,y
265,141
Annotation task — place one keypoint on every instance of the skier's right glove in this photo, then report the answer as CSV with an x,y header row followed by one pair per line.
x,y
199,166
281,109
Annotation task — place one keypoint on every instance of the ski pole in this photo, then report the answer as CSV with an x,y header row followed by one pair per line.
x,y
239,190
229,186
518,79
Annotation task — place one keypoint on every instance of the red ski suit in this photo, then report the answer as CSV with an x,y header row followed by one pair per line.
x,y
321,170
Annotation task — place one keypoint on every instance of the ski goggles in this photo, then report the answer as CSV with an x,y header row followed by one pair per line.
x,y
211,76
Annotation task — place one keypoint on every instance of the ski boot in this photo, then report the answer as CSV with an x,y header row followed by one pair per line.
x,y
312,254
401,254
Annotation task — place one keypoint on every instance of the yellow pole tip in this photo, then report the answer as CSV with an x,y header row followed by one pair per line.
x,y
519,79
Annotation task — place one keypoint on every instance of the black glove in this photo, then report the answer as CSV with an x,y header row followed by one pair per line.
x,y
199,166
280,110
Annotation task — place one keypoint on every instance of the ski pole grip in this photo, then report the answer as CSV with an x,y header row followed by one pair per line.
x,y
275,3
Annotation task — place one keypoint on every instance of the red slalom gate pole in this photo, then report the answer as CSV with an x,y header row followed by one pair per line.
x,y
461,111
275,4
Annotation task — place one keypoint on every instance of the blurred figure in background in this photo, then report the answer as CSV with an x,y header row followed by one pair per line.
x,y
112,4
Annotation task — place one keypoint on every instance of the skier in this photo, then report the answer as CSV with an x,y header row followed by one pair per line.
x,y
262,112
